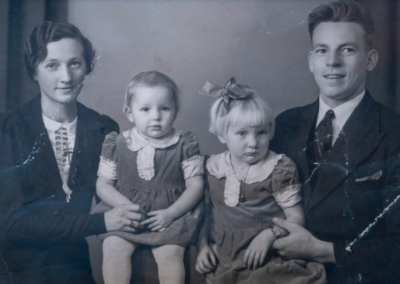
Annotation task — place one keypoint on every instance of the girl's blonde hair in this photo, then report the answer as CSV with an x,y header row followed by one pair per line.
x,y
249,112
151,79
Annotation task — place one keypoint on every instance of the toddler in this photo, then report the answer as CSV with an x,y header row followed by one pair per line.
x,y
248,186
160,169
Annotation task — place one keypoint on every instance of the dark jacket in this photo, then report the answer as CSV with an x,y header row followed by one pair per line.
x,y
42,237
344,195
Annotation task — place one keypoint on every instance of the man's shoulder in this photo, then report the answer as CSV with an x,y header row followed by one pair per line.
x,y
297,115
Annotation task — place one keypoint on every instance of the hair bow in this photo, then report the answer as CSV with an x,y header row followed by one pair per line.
x,y
230,92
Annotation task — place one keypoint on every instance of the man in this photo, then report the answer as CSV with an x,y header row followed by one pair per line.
x,y
346,147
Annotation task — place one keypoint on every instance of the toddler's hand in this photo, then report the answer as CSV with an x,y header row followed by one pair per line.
x,y
206,260
258,248
160,221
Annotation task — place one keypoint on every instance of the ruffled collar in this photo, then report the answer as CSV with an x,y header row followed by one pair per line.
x,y
220,166
146,150
136,142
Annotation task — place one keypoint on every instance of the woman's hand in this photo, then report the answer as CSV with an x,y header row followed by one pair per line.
x,y
257,251
206,260
161,220
124,218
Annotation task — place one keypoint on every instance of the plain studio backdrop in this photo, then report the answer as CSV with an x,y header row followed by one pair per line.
x,y
263,44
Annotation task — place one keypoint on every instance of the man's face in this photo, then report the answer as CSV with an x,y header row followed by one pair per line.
x,y
339,60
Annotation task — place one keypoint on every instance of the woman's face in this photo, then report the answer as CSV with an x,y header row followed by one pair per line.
x,y
60,75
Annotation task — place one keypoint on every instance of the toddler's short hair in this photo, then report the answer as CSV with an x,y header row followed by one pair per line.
x,y
252,111
151,79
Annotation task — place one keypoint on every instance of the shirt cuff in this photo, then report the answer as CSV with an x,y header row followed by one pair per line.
x,y
289,196
107,169
194,166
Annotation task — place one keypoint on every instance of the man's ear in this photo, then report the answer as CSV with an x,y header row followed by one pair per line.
x,y
372,59
221,139
129,114
310,61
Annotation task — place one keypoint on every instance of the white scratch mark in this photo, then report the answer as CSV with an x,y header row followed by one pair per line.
x,y
348,248
267,31
33,153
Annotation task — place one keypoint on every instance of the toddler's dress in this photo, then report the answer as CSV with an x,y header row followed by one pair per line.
x,y
153,176
242,204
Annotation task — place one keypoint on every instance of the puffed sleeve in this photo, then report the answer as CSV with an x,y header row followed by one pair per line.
x,y
108,158
192,161
285,183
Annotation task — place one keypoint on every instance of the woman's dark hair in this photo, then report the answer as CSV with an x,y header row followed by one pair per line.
x,y
342,11
36,44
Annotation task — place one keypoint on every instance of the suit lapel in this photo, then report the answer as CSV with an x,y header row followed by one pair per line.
x,y
44,162
84,155
309,115
357,141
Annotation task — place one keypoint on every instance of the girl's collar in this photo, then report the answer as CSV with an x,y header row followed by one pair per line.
x,y
136,142
220,166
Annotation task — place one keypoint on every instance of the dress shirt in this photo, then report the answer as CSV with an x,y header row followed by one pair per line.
x,y
342,113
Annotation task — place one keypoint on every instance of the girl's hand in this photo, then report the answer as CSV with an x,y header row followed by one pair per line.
x,y
161,220
257,251
206,260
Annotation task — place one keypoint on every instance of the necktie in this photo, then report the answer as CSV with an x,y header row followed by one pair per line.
x,y
324,134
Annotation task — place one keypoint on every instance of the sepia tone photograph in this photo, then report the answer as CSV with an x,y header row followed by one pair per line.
x,y
209,141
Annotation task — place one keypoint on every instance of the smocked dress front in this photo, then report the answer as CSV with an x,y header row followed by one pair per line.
x,y
241,205
153,176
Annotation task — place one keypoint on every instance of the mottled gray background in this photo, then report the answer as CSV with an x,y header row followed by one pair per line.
x,y
264,44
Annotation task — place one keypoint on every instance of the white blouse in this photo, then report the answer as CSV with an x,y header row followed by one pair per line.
x,y
62,138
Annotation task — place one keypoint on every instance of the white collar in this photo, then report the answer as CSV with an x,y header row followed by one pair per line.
x,y
342,112
220,166
136,142
53,125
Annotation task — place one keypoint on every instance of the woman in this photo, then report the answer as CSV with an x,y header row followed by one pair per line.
x,y
51,148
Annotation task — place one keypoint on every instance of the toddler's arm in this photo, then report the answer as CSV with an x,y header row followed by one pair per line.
x,y
162,219
206,259
258,248
294,215
105,189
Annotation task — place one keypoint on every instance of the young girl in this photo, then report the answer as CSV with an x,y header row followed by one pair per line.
x,y
248,186
160,169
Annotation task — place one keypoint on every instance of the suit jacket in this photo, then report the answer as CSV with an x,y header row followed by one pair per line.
x,y
345,194
42,237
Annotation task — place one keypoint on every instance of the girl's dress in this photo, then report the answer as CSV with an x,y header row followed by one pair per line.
x,y
153,176
242,204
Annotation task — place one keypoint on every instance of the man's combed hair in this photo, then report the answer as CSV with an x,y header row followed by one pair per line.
x,y
151,79
36,44
342,11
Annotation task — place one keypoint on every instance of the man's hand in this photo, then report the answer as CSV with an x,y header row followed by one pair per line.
x,y
257,251
301,244
124,218
206,260
161,220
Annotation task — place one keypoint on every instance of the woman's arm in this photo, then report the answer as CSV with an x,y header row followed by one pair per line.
x,y
105,189
188,200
